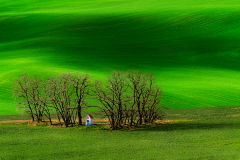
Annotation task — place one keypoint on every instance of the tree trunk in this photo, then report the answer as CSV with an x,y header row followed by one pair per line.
x,y
79,116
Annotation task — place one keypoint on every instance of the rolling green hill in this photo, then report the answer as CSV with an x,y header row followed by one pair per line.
x,y
193,47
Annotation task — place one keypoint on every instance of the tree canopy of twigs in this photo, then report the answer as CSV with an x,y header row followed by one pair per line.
x,y
27,92
64,95
129,99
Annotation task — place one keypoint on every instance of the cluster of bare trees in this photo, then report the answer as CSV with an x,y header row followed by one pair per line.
x,y
64,95
128,99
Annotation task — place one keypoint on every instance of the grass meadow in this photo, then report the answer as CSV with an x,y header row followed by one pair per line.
x,y
192,47
202,133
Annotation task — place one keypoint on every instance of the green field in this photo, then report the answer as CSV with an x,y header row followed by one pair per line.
x,y
208,133
193,47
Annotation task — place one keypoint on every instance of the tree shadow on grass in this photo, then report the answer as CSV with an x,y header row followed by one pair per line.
x,y
196,125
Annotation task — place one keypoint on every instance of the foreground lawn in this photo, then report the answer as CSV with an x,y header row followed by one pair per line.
x,y
210,133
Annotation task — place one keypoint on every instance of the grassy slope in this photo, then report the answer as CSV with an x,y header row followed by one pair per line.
x,y
196,67
213,134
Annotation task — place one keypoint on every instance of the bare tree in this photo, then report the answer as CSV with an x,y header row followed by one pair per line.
x,y
45,101
112,97
35,94
151,104
61,92
137,84
146,96
81,85
27,94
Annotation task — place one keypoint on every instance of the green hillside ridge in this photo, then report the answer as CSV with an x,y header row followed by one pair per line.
x,y
192,47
